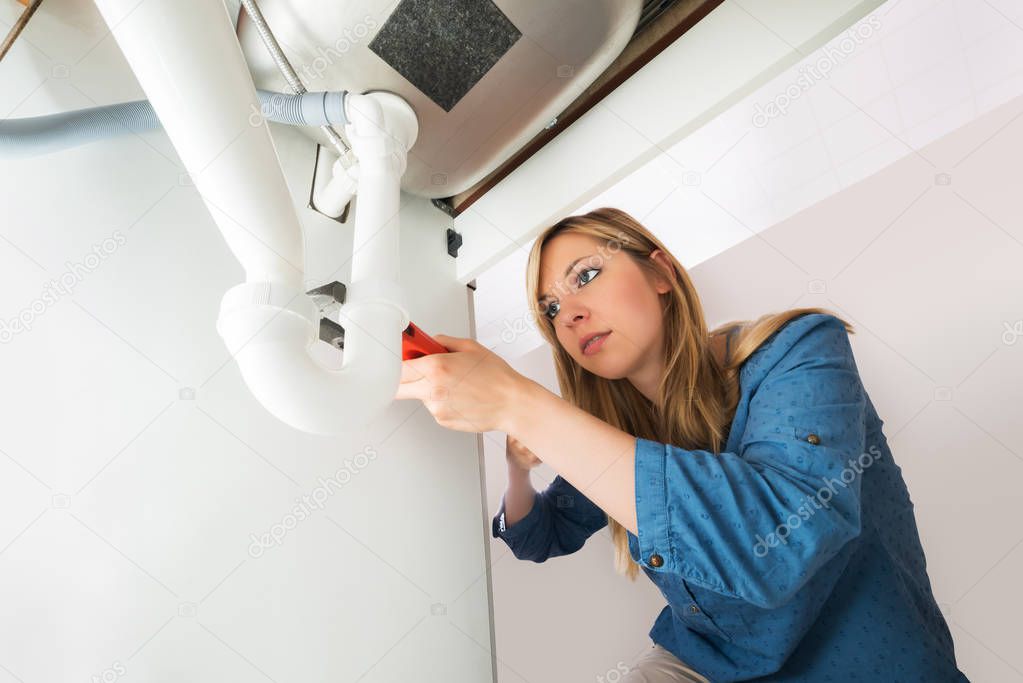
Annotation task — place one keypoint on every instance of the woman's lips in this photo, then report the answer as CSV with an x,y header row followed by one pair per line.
x,y
595,345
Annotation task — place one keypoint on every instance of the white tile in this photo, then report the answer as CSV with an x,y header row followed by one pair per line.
x,y
772,137
695,228
734,184
931,92
977,20
864,78
921,44
829,108
970,147
853,136
1006,91
898,14
707,147
943,122
794,200
803,163
885,111
996,58
643,189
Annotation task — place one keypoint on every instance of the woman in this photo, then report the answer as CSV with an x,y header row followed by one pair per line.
x,y
744,469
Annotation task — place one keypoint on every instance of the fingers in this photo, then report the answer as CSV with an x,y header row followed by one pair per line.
x,y
410,370
413,382
408,390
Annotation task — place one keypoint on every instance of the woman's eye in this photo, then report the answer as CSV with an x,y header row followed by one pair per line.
x,y
588,270
552,309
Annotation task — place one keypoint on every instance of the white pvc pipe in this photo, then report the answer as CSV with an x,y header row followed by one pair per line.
x,y
189,63
332,198
379,127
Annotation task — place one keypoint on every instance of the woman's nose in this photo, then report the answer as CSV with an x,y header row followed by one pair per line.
x,y
573,313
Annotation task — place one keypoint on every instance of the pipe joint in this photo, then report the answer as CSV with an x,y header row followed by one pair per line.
x,y
382,129
248,307
375,292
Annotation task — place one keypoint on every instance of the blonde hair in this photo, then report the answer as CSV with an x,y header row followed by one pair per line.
x,y
697,395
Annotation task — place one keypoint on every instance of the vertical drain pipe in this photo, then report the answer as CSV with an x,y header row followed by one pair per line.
x,y
190,65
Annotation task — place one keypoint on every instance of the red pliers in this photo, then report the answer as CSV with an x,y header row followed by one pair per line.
x,y
416,343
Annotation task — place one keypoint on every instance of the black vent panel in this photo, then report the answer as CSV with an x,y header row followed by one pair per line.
x,y
444,47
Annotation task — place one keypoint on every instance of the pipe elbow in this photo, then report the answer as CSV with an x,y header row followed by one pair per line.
x,y
382,129
270,328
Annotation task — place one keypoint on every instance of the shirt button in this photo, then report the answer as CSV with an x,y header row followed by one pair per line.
x,y
814,439
694,609
656,560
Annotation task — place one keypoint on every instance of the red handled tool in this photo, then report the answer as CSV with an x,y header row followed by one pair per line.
x,y
416,343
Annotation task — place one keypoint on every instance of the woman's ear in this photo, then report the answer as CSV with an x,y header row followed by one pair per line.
x,y
663,283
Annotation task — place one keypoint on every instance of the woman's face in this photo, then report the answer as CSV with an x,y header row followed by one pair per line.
x,y
603,291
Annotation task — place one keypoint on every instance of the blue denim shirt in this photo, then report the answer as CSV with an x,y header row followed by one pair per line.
x,y
793,554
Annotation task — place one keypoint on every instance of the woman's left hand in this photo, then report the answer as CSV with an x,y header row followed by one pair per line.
x,y
470,389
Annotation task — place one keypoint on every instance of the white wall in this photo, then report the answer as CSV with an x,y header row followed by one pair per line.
x,y
930,276
135,465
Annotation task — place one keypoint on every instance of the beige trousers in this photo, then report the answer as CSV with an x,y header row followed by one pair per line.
x,y
657,665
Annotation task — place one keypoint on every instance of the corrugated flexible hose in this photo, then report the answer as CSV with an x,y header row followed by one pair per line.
x,y
32,136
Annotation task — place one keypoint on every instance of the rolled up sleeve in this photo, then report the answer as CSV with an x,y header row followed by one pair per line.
x,y
757,524
559,523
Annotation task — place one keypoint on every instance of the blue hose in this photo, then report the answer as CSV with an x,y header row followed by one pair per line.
x,y
37,135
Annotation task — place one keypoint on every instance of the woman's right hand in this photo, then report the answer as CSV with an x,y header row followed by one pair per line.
x,y
520,456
